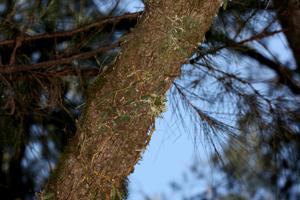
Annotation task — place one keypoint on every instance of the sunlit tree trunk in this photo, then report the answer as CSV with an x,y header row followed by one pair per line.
x,y
123,103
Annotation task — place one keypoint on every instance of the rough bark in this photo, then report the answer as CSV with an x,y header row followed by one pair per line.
x,y
289,17
123,103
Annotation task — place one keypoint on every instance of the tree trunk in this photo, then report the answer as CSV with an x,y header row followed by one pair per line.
x,y
123,103
289,17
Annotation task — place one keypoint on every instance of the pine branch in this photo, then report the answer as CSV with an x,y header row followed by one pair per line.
x,y
60,61
229,43
54,74
66,34
282,72
284,75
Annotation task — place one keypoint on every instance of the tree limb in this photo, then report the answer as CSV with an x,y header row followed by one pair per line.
x,y
66,34
282,72
60,61
114,129
288,12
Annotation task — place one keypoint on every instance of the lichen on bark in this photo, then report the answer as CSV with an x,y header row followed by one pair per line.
x,y
114,129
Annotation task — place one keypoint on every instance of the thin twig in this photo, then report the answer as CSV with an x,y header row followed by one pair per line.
x,y
101,22
18,43
59,61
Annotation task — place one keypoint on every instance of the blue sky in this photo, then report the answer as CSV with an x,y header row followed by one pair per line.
x,y
170,154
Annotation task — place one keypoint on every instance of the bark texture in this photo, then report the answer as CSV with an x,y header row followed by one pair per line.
x,y
289,17
123,103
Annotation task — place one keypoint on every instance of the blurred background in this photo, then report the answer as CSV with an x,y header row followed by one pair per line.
x,y
231,129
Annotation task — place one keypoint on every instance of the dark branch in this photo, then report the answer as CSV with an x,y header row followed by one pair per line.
x,y
282,72
59,61
66,34
240,47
